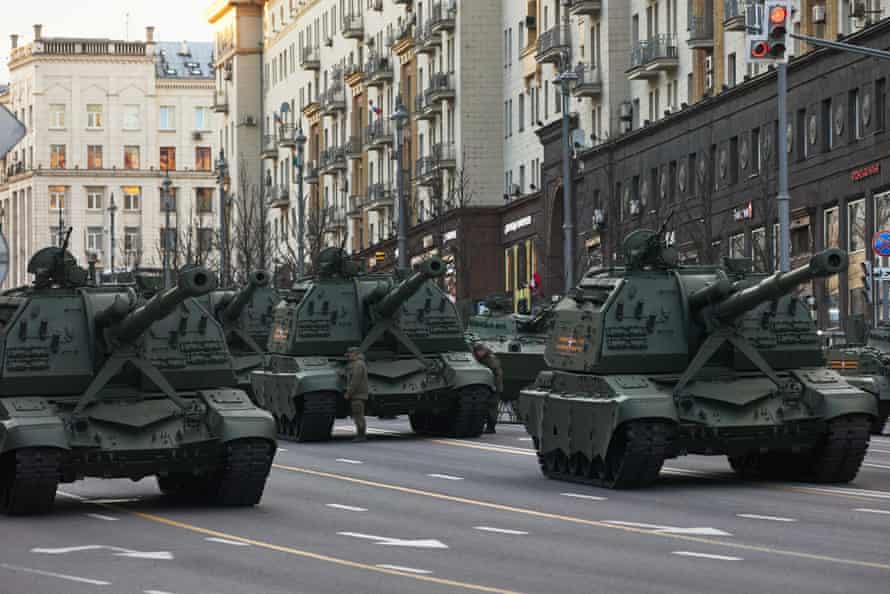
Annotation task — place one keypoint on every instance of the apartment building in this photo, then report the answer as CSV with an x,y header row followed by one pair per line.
x,y
107,120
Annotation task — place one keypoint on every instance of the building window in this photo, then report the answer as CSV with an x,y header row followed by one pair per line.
x,y
57,158
737,246
755,151
132,118
95,119
167,120
132,241
880,103
168,158
202,118
758,247
832,228
94,156
730,70
832,284
94,239
856,226
132,197
169,201
131,157
203,159
854,105
95,198
57,197
521,112
57,116
204,200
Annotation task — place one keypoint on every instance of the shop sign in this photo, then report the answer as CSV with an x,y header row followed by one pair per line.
x,y
450,236
743,213
518,224
380,256
864,172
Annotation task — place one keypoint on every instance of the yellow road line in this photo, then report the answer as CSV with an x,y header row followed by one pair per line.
x,y
309,554
583,521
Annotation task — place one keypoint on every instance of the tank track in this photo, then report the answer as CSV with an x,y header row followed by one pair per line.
x,y
314,420
634,460
29,478
839,457
471,413
243,477
880,422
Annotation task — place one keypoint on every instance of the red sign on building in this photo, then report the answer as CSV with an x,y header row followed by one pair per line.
x,y
864,172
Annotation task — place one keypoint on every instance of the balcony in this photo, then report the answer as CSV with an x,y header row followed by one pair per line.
x,y
220,102
279,197
333,160
310,58
445,155
424,171
356,203
353,74
585,7
403,2
701,32
379,134
649,57
287,136
353,26
311,173
353,147
443,16
425,108
334,100
425,42
378,71
552,44
589,84
336,219
379,197
734,15
270,147
441,87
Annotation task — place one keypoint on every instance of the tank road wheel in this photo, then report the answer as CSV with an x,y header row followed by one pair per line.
x,y
241,480
838,457
420,423
636,453
29,478
186,488
469,416
315,416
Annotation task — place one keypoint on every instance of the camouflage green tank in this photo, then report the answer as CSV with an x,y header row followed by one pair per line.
x,y
867,366
99,382
656,360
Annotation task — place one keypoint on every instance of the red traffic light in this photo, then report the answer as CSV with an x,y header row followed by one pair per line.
x,y
759,49
778,15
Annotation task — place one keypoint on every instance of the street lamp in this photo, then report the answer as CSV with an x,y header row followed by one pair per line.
x,y
112,209
168,199
400,116
222,179
567,79
300,142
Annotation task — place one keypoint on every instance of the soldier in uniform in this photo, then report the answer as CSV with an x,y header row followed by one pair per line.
x,y
484,355
357,390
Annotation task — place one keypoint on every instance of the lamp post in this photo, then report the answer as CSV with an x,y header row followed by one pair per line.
x,y
400,116
300,141
112,209
167,198
222,178
566,80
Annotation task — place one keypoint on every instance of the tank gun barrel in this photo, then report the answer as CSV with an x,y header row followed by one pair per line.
x,y
822,265
389,305
256,280
191,283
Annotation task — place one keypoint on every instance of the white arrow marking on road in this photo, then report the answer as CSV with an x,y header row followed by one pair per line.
x,y
346,507
699,531
768,518
406,569
429,543
446,477
873,511
61,576
234,543
580,496
500,530
349,461
101,517
118,552
707,556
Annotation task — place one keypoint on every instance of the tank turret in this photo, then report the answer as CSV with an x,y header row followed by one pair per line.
x,y
389,304
256,280
194,282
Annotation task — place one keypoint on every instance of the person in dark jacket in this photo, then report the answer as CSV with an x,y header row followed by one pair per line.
x,y
357,390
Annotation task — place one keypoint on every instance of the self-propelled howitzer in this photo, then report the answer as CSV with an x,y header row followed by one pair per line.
x,y
410,334
656,360
96,382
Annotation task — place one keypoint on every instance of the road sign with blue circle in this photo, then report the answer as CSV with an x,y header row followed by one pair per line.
x,y
880,243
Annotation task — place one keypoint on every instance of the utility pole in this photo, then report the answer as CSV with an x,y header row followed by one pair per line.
x,y
566,79
168,276
399,117
300,164
112,209
222,173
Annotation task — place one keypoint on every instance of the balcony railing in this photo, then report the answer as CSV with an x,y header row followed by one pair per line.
x,y
270,147
379,196
287,135
379,134
441,86
353,147
445,155
334,100
310,58
701,31
336,218
378,70
442,16
734,15
425,41
333,159
589,83
552,43
355,205
585,7
424,169
279,197
220,102
311,173
353,26
650,56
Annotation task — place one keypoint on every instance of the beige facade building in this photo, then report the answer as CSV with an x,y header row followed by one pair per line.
x,y
106,121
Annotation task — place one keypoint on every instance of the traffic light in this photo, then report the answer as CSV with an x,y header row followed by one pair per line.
x,y
778,15
867,282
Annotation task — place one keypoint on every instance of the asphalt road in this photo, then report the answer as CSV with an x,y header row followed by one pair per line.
x,y
400,514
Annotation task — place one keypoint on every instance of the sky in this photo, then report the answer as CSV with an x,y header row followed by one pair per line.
x,y
174,20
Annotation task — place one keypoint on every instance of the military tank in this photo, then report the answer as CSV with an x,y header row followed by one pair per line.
x,y
867,366
653,360
410,334
99,382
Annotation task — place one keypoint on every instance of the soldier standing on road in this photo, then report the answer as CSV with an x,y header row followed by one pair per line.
x,y
357,390
484,355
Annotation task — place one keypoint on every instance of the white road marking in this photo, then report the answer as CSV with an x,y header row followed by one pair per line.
x,y
118,552
500,530
707,556
581,496
524,438
61,576
423,543
881,466
114,501
873,511
873,450
69,495
405,569
101,517
697,531
234,543
349,461
768,518
446,477
346,507
846,491
156,592
495,446
282,449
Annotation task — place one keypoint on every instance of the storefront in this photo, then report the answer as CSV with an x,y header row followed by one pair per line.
x,y
522,252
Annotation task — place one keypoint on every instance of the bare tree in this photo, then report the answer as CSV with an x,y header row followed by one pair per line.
x,y
193,244
251,229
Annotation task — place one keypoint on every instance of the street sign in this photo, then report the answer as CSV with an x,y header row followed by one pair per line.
x,y
11,131
880,243
880,274
4,258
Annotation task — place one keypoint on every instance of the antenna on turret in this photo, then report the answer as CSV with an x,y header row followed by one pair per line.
x,y
61,268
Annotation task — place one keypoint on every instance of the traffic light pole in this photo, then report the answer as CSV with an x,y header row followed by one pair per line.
x,y
784,198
